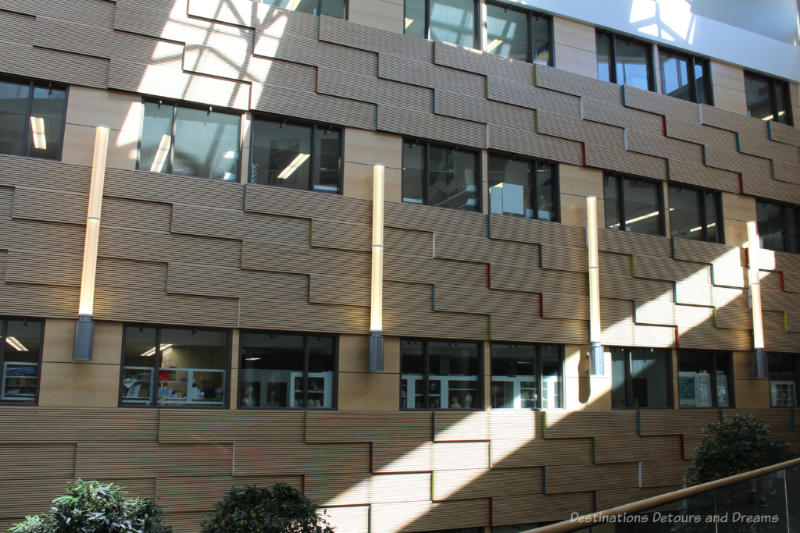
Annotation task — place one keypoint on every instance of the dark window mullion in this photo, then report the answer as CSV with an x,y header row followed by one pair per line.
x,y
425,377
533,180
786,218
426,169
427,19
3,333
621,203
612,58
701,204
28,111
693,84
155,374
531,47
172,143
714,399
628,379
315,155
477,34
539,372
304,381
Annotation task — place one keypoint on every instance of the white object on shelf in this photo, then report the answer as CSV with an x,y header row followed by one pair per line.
x,y
26,374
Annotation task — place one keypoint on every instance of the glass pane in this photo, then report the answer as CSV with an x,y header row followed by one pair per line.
x,y
193,366
22,349
320,370
611,201
328,151
46,122
618,392
304,6
510,187
649,378
156,138
453,375
694,378
541,40
713,224
782,102
551,376
783,372
334,8
701,81
794,230
546,200
415,18
271,370
412,367
13,110
724,379
413,172
759,99
453,21
675,75
206,144
139,360
506,32
453,179
684,213
514,381
603,56
631,63
770,225
281,154
642,210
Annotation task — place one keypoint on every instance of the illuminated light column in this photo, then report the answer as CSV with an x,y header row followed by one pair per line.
x,y
376,293
753,253
84,329
595,333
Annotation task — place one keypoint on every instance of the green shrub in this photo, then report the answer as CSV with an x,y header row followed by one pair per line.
x,y
276,509
735,444
94,507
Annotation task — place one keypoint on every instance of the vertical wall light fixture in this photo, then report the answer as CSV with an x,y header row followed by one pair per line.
x,y
376,293
753,256
595,334
84,329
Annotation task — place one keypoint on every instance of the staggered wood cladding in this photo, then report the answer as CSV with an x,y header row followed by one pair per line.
x,y
189,251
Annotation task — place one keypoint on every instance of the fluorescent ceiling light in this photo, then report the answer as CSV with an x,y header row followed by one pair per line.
x,y
37,127
294,165
643,217
14,343
252,358
152,351
409,22
494,44
161,154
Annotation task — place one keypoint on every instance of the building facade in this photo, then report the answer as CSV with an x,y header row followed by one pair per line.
x,y
232,291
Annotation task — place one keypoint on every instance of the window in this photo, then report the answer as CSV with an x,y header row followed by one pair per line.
x,y
633,204
189,142
451,21
695,214
441,176
440,374
527,376
641,378
784,377
685,76
526,188
174,366
331,8
298,156
20,355
624,61
518,34
704,379
778,226
767,98
286,370
31,118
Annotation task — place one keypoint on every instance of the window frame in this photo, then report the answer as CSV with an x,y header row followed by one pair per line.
x,y
621,202
529,13
612,57
796,361
170,159
28,108
556,176
479,400
629,396
314,167
693,60
714,356
774,84
539,373
702,211
788,210
157,366
306,352
476,30
3,334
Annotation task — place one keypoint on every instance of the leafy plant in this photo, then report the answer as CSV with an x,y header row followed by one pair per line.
x,y
276,509
735,444
94,507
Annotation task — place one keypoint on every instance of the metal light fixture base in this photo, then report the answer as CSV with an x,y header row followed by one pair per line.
x,y
84,338
597,357
376,351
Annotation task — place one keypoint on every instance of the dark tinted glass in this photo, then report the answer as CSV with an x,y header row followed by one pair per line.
x,y
649,378
269,367
20,363
685,219
675,75
206,144
642,209
546,192
510,187
506,32
156,145
701,81
334,8
541,40
193,367
611,201
770,225
414,23
552,368
413,172
452,179
784,369
281,154
632,65
794,229
328,152
514,376
759,98
320,370
619,357
713,222
14,97
46,122
782,102
456,365
603,56
304,6
139,360
453,21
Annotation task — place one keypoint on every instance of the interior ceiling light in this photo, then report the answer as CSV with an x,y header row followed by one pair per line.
x,y
294,165
494,44
37,127
14,343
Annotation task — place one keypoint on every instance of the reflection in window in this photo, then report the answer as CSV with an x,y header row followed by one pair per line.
x,y
441,176
695,214
189,142
451,21
778,226
704,379
633,204
31,118
331,8
20,354
286,370
784,379
685,76
640,378
439,374
767,98
624,61
174,367
298,156
527,376
523,188
509,32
